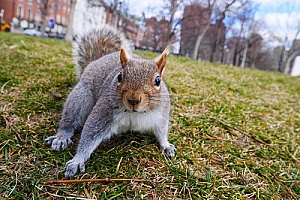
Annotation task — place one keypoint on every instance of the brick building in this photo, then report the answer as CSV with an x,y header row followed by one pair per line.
x,y
146,33
155,35
27,13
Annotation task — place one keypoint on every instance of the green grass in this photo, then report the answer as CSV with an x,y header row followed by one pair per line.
x,y
236,132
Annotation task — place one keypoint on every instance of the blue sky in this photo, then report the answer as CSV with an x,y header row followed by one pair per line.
x,y
278,6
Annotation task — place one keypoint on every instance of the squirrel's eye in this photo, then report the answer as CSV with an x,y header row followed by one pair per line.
x,y
157,81
119,77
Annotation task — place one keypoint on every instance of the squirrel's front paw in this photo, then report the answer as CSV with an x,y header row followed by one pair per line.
x,y
72,167
58,143
169,150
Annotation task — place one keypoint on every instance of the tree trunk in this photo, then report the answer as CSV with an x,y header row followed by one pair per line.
x,y
237,50
244,55
113,20
287,67
44,24
69,34
173,9
198,41
216,42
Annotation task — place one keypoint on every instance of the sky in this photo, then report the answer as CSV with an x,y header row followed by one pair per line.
x,y
138,6
281,16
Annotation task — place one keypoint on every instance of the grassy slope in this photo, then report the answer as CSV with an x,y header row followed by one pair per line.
x,y
236,132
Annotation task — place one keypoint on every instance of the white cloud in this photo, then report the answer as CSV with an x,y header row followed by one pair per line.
x,y
283,26
282,17
150,8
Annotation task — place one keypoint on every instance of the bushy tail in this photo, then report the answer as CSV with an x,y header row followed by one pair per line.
x,y
97,43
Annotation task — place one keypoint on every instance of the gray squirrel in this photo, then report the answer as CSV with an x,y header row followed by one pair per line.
x,y
117,92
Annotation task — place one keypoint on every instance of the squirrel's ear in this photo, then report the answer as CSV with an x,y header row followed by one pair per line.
x,y
162,60
124,57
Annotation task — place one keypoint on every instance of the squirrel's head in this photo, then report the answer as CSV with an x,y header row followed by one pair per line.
x,y
139,82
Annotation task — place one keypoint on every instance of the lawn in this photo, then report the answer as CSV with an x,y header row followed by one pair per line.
x,y
237,132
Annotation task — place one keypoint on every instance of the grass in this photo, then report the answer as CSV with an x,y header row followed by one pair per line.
x,y
236,132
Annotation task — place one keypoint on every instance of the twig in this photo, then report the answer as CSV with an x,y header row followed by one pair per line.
x,y
243,132
92,180
286,187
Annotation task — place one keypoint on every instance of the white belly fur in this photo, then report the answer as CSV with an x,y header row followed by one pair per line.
x,y
135,122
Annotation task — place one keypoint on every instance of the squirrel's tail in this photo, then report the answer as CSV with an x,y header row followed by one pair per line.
x,y
97,43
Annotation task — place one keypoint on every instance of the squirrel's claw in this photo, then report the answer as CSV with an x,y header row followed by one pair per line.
x,y
169,150
58,143
72,167
49,140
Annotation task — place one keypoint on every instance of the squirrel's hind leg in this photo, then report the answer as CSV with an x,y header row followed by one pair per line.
x,y
76,109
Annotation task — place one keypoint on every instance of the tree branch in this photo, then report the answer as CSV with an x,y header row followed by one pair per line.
x,y
93,180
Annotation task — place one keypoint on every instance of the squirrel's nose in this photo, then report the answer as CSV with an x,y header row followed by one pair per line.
x,y
133,102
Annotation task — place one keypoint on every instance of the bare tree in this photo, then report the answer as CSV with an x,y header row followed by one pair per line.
x,y
115,16
212,12
170,8
124,20
69,34
44,8
209,6
250,27
244,18
222,10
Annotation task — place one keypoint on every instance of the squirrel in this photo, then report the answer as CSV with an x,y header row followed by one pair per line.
x,y
117,92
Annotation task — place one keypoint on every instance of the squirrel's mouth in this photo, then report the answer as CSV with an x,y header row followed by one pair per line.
x,y
134,111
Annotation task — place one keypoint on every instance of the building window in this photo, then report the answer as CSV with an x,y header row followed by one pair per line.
x,y
63,20
58,19
20,11
64,9
29,16
30,2
37,16
52,7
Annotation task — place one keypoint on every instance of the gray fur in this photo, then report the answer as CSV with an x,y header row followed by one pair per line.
x,y
97,104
